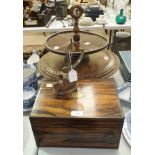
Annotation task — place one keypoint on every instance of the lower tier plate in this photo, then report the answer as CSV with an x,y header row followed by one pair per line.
x,y
101,64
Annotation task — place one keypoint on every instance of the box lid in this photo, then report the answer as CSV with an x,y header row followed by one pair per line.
x,y
93,99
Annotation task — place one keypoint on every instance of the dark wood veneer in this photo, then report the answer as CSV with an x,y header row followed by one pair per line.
x,y
100,125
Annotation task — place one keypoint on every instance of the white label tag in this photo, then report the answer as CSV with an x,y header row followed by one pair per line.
x,y
49,85
77,113
105,58
72,75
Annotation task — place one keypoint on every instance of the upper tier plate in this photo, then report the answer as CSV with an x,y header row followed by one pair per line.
x,y
90,42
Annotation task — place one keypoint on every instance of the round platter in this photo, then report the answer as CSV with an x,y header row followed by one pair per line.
x,y
127,128
27,110
101,64
90,42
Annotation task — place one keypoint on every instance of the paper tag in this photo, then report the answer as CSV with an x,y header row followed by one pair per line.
x,y
72,75
77,113
49,85
105,58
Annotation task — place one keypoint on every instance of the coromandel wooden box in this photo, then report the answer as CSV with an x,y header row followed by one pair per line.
x,y
90,117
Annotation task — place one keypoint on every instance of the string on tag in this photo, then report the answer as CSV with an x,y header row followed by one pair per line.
x,y
72,74
70,55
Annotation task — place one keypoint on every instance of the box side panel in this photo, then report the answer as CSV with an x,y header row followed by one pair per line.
x,y
77,133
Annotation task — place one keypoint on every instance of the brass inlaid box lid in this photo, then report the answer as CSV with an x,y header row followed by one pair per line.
x,y
93,99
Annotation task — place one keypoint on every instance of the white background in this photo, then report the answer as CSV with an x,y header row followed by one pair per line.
x,y
143,77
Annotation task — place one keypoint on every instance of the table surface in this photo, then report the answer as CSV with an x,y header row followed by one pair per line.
x,y
31,149
58,26
112,25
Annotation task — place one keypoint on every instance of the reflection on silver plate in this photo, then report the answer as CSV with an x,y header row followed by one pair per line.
x,y
127,128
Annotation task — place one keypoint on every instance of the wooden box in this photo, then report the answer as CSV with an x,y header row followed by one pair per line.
x,y
90,117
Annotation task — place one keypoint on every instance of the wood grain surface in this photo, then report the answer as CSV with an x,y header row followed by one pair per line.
x,y
90,117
